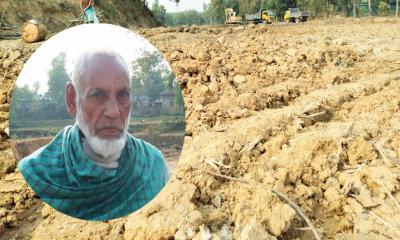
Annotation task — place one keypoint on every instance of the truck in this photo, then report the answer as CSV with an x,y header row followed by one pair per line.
x,y
263,16
295,15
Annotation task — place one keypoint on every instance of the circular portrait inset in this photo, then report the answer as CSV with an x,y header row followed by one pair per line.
x,y
97,122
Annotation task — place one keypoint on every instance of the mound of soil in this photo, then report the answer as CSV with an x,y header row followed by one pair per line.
x,y
56,15
311,111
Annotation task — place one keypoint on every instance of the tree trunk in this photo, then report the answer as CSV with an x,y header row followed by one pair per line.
x,y
397,8
354,8
32,31
369,8
328,9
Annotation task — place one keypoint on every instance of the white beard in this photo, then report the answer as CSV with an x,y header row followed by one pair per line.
x,y
108,149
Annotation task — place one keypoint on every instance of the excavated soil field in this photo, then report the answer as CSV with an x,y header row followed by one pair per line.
x,y
311,111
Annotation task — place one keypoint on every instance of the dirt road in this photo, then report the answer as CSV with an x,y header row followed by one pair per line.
x,y
310,110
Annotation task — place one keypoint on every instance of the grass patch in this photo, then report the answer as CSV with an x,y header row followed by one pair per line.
x,y
33,129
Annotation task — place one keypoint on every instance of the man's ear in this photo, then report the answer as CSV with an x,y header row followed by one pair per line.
x,y
70,99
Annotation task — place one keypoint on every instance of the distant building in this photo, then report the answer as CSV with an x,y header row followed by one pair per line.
x,y
142,106
168,103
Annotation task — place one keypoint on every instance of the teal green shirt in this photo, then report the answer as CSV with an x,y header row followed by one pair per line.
x,y
63,176
90,15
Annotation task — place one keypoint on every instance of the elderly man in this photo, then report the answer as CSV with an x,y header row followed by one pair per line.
x,y
95,169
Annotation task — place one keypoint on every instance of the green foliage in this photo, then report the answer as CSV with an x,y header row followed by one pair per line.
x,y
188,17
159,12
278,7
23,94
344,7
23,101
29,105
23,133
235,4
137,85
315,6
264,4
148,75
58,78
218,12
167,126
169,82
207,13
249,6
178,98
214,12
383,8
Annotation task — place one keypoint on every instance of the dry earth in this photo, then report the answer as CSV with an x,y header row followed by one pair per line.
x,y
309,110
56,15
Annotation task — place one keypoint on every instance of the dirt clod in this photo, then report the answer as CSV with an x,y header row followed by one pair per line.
x,y
316,118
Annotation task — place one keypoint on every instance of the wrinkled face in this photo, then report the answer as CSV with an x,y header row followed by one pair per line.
x,y
104,98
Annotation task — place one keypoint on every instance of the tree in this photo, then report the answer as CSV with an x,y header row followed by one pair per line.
x,y
170,81
383,8
278,7
159,12
264,4
177,3
171,84
207,13
36,87
345,7
249,6
148,76
327,7
178,98
23,103
188,17
234,4
218,12
58,78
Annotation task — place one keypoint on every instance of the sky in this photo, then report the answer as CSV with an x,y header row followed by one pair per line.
x,y
183,5
74,41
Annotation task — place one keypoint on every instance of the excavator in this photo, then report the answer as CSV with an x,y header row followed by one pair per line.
x,y
231,18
